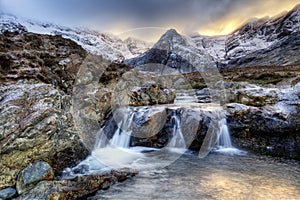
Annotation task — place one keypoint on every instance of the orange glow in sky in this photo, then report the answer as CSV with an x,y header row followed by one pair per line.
x,y
233,21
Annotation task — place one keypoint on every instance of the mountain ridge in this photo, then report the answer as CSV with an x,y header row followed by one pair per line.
x,y
105,44
266,41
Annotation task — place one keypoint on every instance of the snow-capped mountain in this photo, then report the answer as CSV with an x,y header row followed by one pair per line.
x,y
105,44
266,41
176,51
213,45
260,42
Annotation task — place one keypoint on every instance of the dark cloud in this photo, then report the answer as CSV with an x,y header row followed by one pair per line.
x,y
105,15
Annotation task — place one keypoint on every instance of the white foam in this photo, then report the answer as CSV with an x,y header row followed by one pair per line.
x,y
229,151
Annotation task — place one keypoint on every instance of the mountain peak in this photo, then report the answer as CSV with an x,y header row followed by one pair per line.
x,y
169,38
171,33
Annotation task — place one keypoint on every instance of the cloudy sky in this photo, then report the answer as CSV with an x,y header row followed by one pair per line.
x,y
123,17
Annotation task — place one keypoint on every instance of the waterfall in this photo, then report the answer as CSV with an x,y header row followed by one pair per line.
x,y
224,144
224,137
121,137
177,141
112,147
122,134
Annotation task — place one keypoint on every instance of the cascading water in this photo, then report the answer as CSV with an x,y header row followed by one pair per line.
x,y
224,144
224,138
113,150
177,142
121,138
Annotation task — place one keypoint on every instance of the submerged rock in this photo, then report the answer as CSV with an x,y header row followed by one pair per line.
x,y
79,187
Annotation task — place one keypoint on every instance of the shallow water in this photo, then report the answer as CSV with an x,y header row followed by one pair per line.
x,y
216,176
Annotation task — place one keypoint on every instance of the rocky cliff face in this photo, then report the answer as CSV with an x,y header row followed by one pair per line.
x,y
37,74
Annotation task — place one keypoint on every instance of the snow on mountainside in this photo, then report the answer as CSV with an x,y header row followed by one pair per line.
x,y
213,45
105,44
261,42
266,41
176,51
257,36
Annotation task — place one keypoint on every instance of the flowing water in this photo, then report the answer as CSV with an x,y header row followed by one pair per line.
x,y
217,176
224,144
177,142
176,173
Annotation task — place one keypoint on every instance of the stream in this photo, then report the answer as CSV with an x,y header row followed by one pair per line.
x,y
217,176
173,172
177,173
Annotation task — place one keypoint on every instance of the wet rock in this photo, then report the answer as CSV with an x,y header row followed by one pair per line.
x,y
194,124
251,94
36,125
79,187
151,94
33,174
35,103
271,130
7,193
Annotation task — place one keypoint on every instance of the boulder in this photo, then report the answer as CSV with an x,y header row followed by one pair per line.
x,y
78,187
7,193
271,130
194,123
150,94
32,175
252,94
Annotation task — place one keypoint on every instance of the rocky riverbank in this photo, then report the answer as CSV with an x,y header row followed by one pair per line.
x,y
37,129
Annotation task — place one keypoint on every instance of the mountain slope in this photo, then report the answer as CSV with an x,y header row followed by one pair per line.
x,y
261,42
104,44
175,51
266,41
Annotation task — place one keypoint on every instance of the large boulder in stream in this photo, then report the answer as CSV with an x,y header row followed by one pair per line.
x,y
175,126
37,73
272,129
